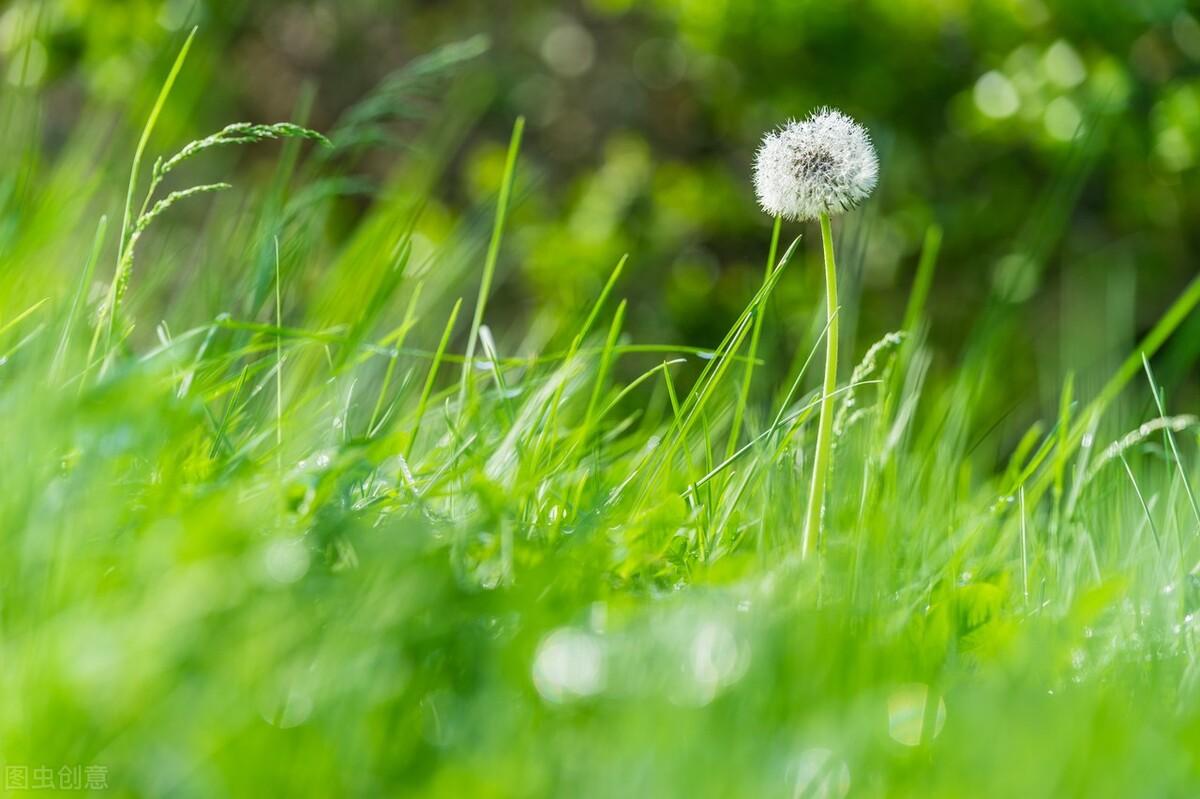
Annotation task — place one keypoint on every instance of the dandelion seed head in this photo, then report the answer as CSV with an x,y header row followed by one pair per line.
x,y
822,164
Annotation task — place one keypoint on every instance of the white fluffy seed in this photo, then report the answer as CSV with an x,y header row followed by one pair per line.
x,y
822,164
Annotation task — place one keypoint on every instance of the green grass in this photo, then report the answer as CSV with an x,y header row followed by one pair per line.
x,y
296,528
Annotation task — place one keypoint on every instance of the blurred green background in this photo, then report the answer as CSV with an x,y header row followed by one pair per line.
x,y
1054,142
160,591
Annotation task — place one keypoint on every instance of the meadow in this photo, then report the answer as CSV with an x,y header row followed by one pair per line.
x,y
303,493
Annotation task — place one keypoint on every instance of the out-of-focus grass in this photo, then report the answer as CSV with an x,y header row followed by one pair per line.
x,y
276,548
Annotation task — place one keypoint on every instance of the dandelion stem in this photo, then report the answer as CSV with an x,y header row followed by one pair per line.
x,y
816,498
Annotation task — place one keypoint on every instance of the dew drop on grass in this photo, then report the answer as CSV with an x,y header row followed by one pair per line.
x,y
501,628
819,774
569,665
489,574
906,714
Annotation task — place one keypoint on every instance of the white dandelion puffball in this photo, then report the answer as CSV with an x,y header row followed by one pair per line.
x,y
823,164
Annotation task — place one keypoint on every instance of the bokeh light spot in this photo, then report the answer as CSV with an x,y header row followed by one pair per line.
x,y
286,560
1062,119
569,664
715,660
906,714
995,95
1063,65
1186,32
819,774
569,49
1174,149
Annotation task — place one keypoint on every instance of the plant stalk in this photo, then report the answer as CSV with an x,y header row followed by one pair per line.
x,y
816,497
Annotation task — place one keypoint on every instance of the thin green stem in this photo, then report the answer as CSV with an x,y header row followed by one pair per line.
x,y
109,309
924,278
278,368
493,253
78,302
430,378
748,375
816,498
401,334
